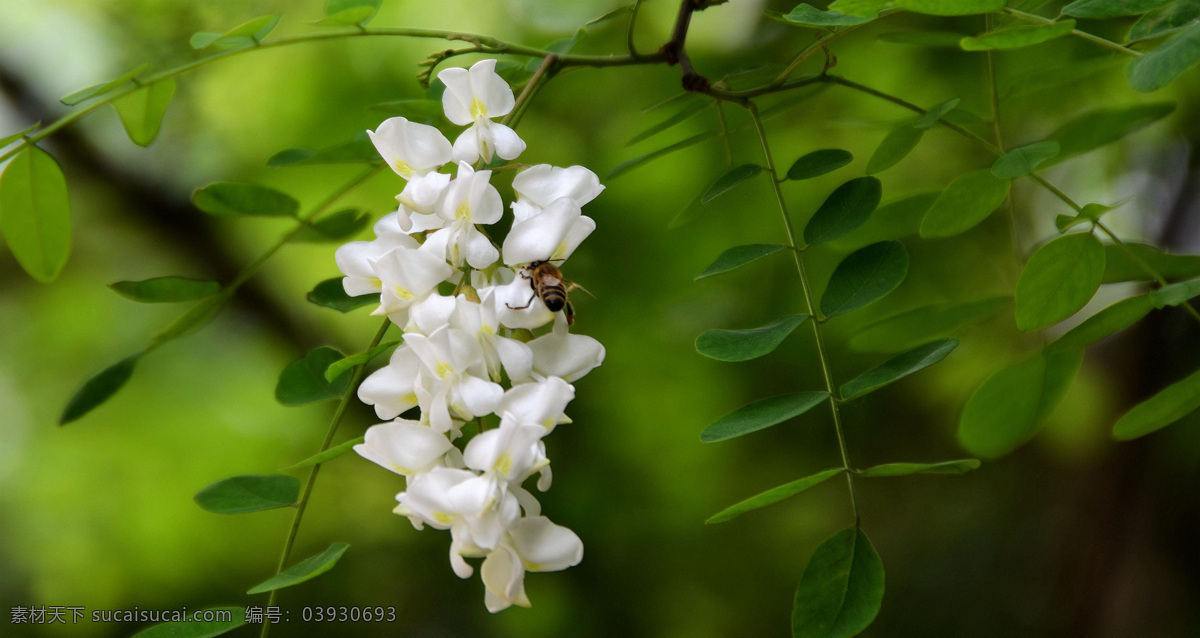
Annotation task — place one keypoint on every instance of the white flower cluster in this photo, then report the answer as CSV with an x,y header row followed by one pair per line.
x,y
459,350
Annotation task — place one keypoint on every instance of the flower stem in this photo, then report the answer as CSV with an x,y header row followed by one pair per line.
x,y
301,504
806,288
544,71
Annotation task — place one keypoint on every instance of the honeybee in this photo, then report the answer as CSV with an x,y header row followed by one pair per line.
x,y
551,287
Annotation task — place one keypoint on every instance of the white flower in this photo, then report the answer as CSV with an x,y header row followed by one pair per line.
x,y
550,234
392,388
474,97
510,453
480,319
518,306
404,447
561,354
532,544
415,152
354,260
538,186
455,378
406,276
542,403
469,200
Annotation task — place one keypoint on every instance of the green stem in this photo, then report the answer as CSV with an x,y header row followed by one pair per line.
x,y
1147,268
543,72
633,14
725,134
290,541
1108,44
806,288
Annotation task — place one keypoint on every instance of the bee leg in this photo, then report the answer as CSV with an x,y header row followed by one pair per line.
x,y
569,312
527,304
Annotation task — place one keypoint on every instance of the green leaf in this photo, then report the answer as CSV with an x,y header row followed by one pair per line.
x,y
1109,321
844,210
332,294
761,414
950,7
818,163
1119,266
1009,407
240,198
744,345
334,227
1161,66
1058,280
1090,212
339,367
867,275
1018,37
1103,126
1168,406
1176,294
1025,159
166,289
1099,9
99,389
195,318
197,628
681,116
905,469
729,180
357,151
249,493
303,380
611,15
1164,20
894,219
928,119
895,147
808,16
773,495
352,16
637,162
307,569
737,257
35,213
841,589
898,367
933,39
9,139
245,34
142,111
100,89
903,330
966,202
328,455
860,8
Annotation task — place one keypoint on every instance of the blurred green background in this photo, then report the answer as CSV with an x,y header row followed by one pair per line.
x,y
1070,535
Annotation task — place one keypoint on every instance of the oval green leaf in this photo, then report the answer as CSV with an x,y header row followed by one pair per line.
x,y
845,209
841,589
355,151
246,34
240,198
166,289
905,469
195,318
142,111
1119,266
761,414
818,163
1018,37
1058,280
1165,20
895,147
809,16
1109,321
35,213
333,227
303,380
966,202
933,115
1103,126
744,345
332,294
197,628
866,276
906,329
773,495
737,257
337,368
1161,66
729,180
328,455
249,493
1024,160
100,89
305,570
1168,406
898,367
1099,9
99,389
1176,294
950,7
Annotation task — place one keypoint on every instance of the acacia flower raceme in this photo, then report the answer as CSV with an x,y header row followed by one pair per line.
x,y
461,302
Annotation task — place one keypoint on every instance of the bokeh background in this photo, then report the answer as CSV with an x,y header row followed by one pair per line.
x,y
1072,534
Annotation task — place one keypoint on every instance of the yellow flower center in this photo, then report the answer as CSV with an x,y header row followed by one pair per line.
x,y
478,110
404,169
402,293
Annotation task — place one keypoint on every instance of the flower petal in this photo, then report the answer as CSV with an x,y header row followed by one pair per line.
x,y
409,148
537,238
561,354
402,446
544,546
542,184
490,89
507,144
457,98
